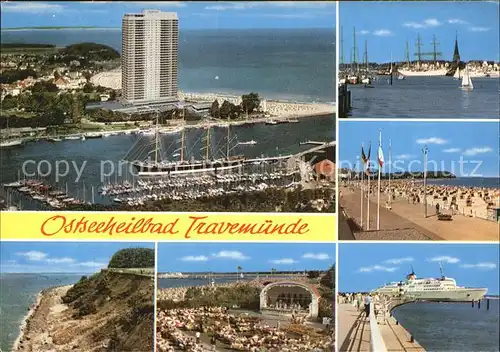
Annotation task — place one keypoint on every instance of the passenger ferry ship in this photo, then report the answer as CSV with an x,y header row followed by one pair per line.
x,y
443,289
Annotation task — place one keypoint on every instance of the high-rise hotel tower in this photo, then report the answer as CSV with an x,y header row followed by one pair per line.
x,y
149,56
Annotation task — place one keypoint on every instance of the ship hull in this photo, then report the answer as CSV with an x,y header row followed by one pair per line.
x,y
463,295
11,144
186,169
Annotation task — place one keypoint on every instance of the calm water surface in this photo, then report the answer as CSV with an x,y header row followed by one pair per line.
x,y
297,64
488,182
97,157
452,327
17,293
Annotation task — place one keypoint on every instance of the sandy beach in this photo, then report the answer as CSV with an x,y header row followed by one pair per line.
x,y
35,330
469,210
283,109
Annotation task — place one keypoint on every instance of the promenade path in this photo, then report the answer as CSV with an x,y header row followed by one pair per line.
x,y
353,329
407,217
354,333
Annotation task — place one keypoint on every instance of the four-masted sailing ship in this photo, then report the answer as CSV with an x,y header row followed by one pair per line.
x,y
158,167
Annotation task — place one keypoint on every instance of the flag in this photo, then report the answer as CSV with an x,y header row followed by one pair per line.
x,y
380,156
363,156
368,160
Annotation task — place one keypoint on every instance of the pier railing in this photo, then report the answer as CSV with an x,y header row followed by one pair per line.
x,y
377,343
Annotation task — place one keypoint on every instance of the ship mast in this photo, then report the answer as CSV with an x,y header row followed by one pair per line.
x,y
228,128
208,142
182,136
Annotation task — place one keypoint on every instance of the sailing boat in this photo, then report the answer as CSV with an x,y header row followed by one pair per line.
x,y
467,81
182,167
13,142
456,76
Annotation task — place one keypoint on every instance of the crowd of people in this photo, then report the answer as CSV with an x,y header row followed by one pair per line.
x,y
458,200
225,330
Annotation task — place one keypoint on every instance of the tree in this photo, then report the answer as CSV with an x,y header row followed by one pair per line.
x,y
88,88
313,274
225,109
87,75
43,87
328,280
236,111
9,102
250,102
215,109
112,95
133,258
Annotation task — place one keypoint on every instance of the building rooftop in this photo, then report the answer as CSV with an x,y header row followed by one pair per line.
x,y
152,14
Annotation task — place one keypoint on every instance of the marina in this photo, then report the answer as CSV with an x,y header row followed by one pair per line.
x,y
117,182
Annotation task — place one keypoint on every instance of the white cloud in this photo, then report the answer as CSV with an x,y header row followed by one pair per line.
x,y
64,260
477,150
364,32
31,7
413,25
479,29
445,259
383,33
398,260
452,150
222,6
432,140
404,156
316,256
192,258
484,266
33,255
457,21
430,22
283,261
230,255
369,269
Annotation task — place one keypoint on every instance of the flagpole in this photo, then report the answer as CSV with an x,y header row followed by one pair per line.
x,y
390,170
361,166
425,150
369,189
369,192
379,172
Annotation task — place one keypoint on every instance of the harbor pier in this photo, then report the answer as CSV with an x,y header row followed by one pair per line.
x,y
380,332
344,101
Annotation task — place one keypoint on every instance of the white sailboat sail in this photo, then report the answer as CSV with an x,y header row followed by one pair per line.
x,y
457,73
466,80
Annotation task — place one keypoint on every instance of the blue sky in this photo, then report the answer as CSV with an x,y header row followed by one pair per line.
x,y
447,142
192,15
364,267
59,257
225,257
386,26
